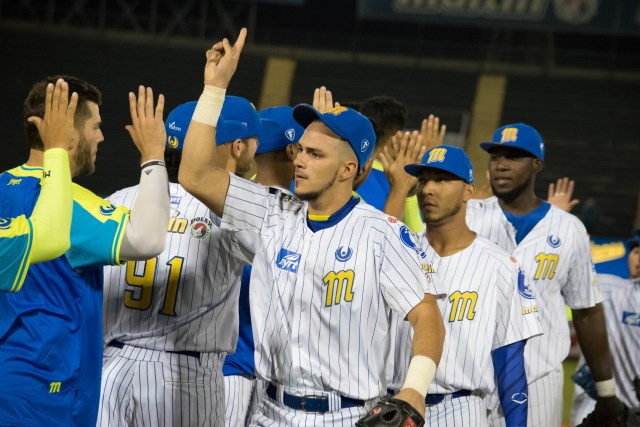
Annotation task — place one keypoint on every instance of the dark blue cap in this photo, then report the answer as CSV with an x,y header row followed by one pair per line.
x,y
635,239
447,158
518,135
345,122
239,109
278,129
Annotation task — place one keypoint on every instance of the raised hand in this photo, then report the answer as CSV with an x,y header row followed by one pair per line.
x,y
222,61
406,148
147,130
431,131
560,194
323,99
56,128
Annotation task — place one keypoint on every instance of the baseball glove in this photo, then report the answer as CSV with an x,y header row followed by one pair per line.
x,y
392,413
609,412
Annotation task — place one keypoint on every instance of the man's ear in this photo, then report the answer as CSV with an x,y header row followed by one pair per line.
x,y
292,152
538,165
237,148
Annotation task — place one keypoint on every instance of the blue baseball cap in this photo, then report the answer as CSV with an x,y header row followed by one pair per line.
x,y
345,122
177,124
635,239
278,129
518,135
447,158
239,109
178,120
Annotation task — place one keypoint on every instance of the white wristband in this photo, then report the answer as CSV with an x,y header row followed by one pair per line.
x,y
420,374
606,388
209,105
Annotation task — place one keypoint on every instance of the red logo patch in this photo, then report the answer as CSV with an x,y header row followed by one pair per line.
x,y
392,220
409,423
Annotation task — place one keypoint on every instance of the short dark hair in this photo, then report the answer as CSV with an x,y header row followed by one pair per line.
x,y
34,104
388,114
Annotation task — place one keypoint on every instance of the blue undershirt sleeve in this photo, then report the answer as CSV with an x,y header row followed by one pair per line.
x,y
508,363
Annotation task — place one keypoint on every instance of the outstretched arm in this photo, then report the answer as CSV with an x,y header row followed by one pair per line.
x,y
198,175
428,338
51,218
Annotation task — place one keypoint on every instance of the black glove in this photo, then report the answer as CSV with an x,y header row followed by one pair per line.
x,y
392,413
609,412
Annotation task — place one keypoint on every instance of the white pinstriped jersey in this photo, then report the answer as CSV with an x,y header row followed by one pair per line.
x,y
321,301
185,299
556,259
622,315
487,306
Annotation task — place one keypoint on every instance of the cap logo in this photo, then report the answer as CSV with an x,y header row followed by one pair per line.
x,y
290,134
470,175
436,155
509,135
364,145
173,126
172,141
336,111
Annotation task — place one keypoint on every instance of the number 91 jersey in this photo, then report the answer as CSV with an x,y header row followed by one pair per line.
x,y
186,298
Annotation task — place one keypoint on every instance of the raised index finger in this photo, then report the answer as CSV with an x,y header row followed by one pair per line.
x,y
239,44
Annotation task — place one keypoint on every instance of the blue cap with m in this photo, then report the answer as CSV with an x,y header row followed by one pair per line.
x,y
519,136
278,129
178,120
239,109
447,158
345,122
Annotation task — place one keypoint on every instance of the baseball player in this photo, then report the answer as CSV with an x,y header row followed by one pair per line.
x,y
45,234
170,320
328,271
489,311
622,314
278,131
553,247
51,331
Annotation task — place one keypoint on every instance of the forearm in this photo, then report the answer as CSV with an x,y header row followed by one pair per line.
x,y
395,204
51,216
511,377
428,330
198,173
145,234
592,334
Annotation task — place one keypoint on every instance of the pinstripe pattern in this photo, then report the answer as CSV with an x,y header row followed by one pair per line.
x,y
271,414
498,320
545,402
572,281
466,411
301,342
202,264
155,388
239,393
621,302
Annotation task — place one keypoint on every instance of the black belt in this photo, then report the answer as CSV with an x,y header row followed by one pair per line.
x,y
434,399
311,403
196,354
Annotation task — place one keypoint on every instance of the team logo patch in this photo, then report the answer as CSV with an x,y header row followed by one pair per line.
x,y
392,220
201,227
630,318
407,238
364,145
519,398
4,223
107,210
173,126
288,260
523,288
343,254
175,200
512,258
553,241
172,141
427,268
290,134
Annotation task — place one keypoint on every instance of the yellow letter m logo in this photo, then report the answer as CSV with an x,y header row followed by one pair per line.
x,y
437,155
509,135
461,303
336,111
54,387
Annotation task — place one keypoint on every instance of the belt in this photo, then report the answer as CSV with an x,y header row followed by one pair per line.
x,y
311,403
434,399
196,354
